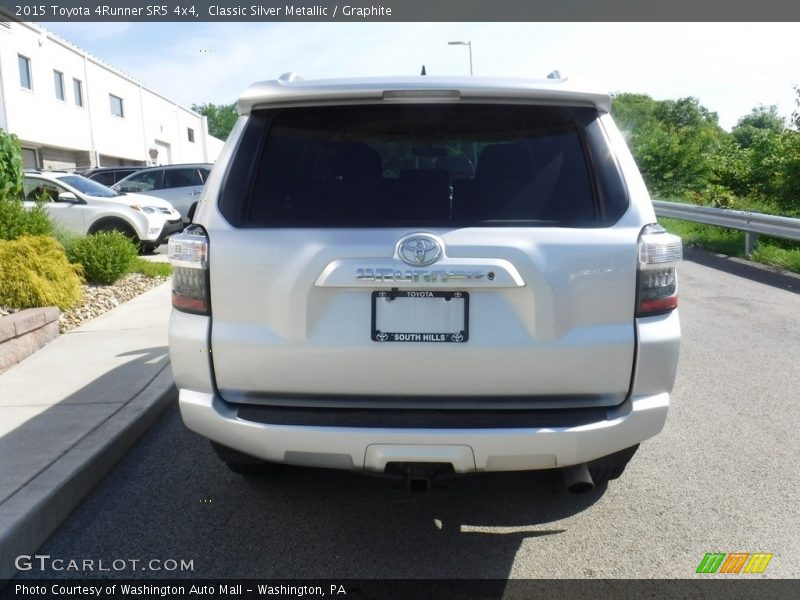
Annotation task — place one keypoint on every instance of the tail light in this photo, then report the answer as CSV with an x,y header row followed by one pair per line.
x,y
188,253
659,255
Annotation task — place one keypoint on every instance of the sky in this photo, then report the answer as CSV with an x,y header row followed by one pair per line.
x,y
730,67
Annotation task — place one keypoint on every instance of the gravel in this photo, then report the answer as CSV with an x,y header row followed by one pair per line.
x,y
98,299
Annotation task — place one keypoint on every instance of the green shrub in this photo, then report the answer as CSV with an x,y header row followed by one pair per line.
x,y
66,238
104,256
10,166
714,195
16,220
36,272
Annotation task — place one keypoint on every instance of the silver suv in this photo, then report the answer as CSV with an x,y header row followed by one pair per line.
x,y
423,276
180,185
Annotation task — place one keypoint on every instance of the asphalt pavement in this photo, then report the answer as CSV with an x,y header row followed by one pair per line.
x,y
724,476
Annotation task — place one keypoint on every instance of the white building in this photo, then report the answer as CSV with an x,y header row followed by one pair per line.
x,y
69,109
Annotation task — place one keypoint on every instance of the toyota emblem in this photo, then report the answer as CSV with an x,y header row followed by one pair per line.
x,y
419,250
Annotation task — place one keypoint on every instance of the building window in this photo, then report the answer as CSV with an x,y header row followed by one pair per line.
x,y
30,158
58,80
77,88
116,106
25,79
190,131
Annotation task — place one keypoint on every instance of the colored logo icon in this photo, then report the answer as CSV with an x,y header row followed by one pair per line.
x,y
734,562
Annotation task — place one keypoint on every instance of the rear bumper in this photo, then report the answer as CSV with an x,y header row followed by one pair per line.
x,y
484,449
170,227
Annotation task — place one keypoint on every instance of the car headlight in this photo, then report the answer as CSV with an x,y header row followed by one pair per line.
x,y
150,210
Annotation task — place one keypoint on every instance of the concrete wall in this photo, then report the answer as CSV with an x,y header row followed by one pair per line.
x,y
23,333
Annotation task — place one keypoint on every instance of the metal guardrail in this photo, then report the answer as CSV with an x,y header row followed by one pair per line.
x,y
749,222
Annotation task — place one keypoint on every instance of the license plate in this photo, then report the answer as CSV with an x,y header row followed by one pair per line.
x,y
435,317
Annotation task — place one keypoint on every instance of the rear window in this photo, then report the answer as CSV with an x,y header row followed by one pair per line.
x,y
443,164
104,177
174,178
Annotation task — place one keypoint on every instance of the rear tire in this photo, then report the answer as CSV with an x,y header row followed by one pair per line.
x,y
242,464
123,228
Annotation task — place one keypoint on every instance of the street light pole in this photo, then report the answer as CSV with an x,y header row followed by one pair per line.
x,y
468,44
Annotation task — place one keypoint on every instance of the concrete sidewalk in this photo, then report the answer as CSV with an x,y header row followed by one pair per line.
x,y
69,412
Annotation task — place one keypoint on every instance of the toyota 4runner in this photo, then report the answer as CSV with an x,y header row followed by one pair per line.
x,y
424,276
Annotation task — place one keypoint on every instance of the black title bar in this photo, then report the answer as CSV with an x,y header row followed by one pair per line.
x,y
700,588
399,10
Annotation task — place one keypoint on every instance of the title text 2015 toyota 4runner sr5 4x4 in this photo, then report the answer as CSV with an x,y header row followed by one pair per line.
x,y
423,276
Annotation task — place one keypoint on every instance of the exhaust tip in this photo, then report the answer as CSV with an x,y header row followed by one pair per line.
x,y
580,487
577,479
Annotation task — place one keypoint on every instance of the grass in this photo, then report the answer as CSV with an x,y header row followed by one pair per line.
x,y
780,257
778,253
149,268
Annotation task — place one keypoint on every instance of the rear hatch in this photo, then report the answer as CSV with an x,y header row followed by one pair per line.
x,y
412,254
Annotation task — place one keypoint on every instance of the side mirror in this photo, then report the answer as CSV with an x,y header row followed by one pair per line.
x,y
68,197
192,209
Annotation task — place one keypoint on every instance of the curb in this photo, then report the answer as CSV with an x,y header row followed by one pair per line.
x,y
741,267
33,513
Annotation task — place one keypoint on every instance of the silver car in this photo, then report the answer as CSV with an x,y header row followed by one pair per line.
x,y
180,185
425,276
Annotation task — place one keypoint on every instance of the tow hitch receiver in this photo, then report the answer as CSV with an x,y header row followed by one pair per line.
x,y
419,476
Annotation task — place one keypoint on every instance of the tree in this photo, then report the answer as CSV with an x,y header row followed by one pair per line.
x,y
685,113
221,118
761,119
684,154
675,142
774,169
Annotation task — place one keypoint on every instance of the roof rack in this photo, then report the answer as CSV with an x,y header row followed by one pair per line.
x,y
290,77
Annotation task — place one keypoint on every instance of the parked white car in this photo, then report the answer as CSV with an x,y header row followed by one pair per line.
x,y
84,206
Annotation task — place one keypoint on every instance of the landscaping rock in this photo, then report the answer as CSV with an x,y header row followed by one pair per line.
x,y
22,332
98,299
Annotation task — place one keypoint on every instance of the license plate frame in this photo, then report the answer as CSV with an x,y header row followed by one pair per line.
x,y
453,337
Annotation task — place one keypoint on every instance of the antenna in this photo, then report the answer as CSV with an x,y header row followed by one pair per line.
x,y
423,70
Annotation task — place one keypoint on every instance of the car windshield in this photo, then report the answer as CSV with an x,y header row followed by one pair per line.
x,y
88,187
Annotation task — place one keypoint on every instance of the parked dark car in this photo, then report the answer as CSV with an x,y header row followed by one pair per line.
x,y
108,176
